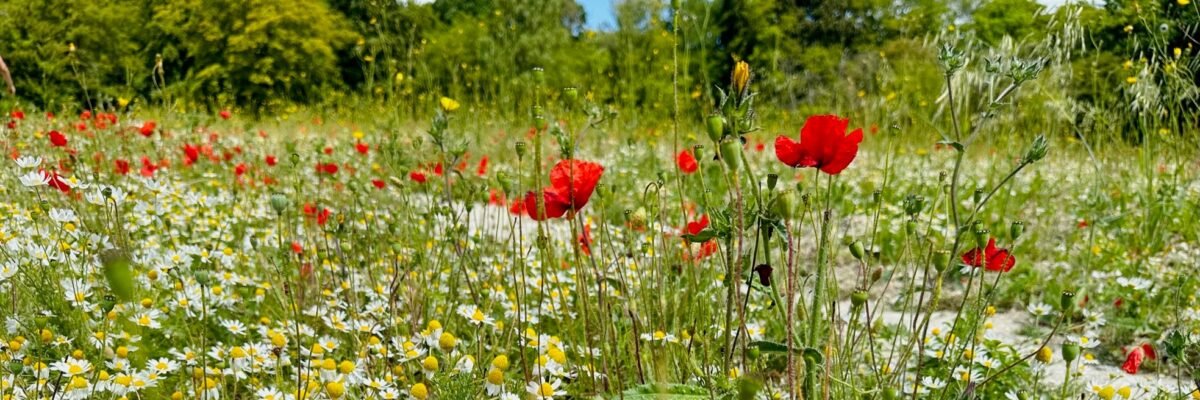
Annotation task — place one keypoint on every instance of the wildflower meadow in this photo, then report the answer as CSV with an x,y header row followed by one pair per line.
x,y
699,199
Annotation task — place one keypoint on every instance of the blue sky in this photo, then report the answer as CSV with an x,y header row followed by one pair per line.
x,y
600,12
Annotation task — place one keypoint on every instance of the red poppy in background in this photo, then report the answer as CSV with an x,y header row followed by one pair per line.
x,y
328,168
192,153
991,258
585,239
147,128
239,169
323,216
417,176
57,139
1135,358
122,166
362,148
687,162
271,160
85,115
148,167
378,183
482,170
571,185
18,115
823,144
225,114
694,227
297,248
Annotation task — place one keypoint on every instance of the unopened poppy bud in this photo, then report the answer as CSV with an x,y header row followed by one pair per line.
x,y
279,202
941,260
1016,229
877,274
1066,301
716,127
910,226
772,179
856,250
1070,351
858,298
731,154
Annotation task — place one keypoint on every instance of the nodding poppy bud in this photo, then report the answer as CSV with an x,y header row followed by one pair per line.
x,y
279,202
521,149
505,183
1070,351
772,179
539,75
858,298
764,274
715,126
857,250
941,260
978,196
911,226
731,154
1016,229
1066,301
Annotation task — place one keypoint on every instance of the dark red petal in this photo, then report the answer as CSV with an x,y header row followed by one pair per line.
x,y
788,152
1133,361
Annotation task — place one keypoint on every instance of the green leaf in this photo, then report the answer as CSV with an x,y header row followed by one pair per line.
x,y
956,145
701,237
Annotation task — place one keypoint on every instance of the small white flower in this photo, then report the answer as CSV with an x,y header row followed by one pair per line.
x,y
29,162
34,179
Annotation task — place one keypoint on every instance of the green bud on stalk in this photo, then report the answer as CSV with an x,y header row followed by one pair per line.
x,y
731,154
1016,229
1070,351
858,298
1066,301
856,250
941,260
716,127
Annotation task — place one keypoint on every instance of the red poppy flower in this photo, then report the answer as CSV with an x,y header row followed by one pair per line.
x,y
496,198
482,170
823,145
192,153
271,160
687,162
85,115
571,185
122,166
323,216
57,139
239,169
991,258
147,128
56,181
1134,360
378,183
297,248
18,115
328,168
585,240
362,148
417,176
694,227
148,167
225,114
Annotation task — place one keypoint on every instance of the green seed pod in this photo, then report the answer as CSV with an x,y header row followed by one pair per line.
x,y
716,127
753,353
202,277
279,202
783,205
858,298
539,75
981,236
889,393
15,367
1016,229
1070,351
731,154
857,250
1066,301
772,179
638,217
571,94
910,226
941,260
978,196
522,148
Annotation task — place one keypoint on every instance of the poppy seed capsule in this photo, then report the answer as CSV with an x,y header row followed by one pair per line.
x,y
941,260
772,179
1070,351
279,202
521,149
715,127
858,298
783,204
731,154
1065,301
910,226
1016,229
